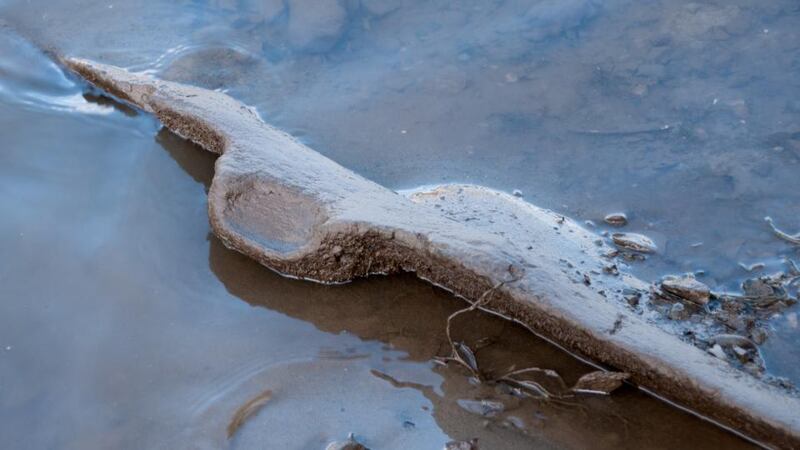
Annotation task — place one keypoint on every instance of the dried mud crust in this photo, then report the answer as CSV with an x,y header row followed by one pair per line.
x,y
300,214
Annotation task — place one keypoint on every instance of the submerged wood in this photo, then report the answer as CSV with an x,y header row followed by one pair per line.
x,y
301,214
247,410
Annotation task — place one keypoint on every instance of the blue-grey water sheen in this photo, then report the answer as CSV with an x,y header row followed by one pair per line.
x,y
683,115
125,324
117,302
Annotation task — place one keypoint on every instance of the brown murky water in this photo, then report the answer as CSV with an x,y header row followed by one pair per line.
x,y
125,324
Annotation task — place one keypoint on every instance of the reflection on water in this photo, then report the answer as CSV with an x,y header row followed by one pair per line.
x,y
125,324
40,83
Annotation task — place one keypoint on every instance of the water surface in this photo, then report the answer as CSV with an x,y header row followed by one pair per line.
x,y
125,324
684,115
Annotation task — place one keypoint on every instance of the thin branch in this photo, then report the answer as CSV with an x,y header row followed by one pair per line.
x,y
794,239
457,348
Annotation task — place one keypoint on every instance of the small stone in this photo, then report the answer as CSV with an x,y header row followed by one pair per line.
x,y
687,288
741,353
730,319
781,382
471,444
635,242
485,408
516,422
616,219
753,369
632,296
600,382
677,312
611,269
517,193
633,256
763,288
717,351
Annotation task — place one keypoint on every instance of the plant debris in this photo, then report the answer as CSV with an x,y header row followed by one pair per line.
x,y
793,238
549,386
738,349
484,408
629,132
471,444
634,242
600,382
460,352
687,288
248,410
745,314
752,267
766,294
534,388
677,312
467,357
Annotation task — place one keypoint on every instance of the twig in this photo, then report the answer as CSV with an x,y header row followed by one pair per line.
x,y
247,410
535,387
660,129
530,386
547,372
794,239
458,347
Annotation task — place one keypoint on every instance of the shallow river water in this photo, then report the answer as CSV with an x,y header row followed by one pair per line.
x,y
125,324
684,115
